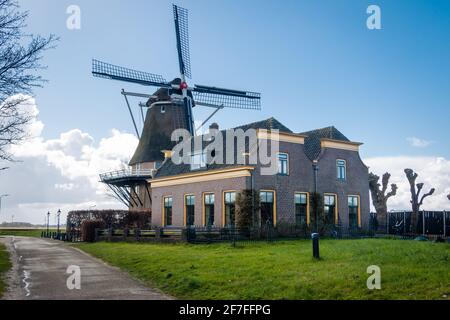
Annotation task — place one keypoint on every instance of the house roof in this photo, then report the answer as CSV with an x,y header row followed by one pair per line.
x,y
169,168
268,124
312,145
313,140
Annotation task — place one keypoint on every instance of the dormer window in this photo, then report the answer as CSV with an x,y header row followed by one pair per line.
x,y
198,161
341,166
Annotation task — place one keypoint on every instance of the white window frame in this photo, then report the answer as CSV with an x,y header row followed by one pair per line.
x,y
287,163
338,166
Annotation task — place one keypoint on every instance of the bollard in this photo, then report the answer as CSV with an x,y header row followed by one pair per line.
x,y
315,243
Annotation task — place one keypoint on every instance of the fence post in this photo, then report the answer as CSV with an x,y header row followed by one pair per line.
x,y
137,233
423,222
388,216
110,232
96,235
445,224
158,232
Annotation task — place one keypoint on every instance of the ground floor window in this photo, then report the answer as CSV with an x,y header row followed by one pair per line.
x,y
229,199
209,209
267,207
301,209
167,211
353,212
330,207
189,209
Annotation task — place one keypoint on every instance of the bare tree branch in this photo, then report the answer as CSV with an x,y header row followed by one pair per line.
x,y
19,66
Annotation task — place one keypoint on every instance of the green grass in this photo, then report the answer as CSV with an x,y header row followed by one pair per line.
x,y
285,270
5,265
36,233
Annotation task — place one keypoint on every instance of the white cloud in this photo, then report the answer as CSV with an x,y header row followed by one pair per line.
x,y
61,173
433,171
419,143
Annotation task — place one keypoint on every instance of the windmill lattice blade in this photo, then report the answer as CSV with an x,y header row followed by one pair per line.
x,y
110,71
182,32
228,98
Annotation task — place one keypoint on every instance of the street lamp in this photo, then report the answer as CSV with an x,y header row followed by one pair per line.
x,y
48,222
90,213
316,214
1,197
58,214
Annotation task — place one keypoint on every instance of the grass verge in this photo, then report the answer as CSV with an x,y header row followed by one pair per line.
x,y
5,265
285,270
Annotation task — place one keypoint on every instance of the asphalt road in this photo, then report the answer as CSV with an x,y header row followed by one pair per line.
x,y
40,273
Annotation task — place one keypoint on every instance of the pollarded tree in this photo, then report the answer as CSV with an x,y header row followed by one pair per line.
x,y
416,200
379,195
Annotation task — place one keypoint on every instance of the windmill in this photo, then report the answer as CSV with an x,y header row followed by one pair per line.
x,y
181,93
176,100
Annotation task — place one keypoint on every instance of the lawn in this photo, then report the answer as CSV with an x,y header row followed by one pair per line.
x,y
286,270
5,265
36,233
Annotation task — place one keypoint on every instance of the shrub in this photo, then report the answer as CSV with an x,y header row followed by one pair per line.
x,y
115,219
88,229
247,206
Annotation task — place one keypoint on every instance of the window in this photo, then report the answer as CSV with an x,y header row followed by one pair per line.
x,y
167,211
341,169
208,202
163,109
330,208
301,209
198,161
267,207
189,209
283,164
229,199
353,212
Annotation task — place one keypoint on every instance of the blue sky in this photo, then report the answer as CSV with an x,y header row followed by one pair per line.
x,y
315,62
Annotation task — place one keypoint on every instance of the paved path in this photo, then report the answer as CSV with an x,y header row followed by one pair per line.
x,y
39,273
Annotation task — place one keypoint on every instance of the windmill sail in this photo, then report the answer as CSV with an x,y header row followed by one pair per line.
x,y
227,98
180,16
109,71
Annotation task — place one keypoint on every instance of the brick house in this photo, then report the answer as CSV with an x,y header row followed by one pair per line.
x,y
203,194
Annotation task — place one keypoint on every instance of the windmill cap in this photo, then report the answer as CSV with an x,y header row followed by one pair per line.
x,y
214,126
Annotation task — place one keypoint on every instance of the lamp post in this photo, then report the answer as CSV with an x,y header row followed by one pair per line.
x,y
316,214
315,236
90,213
1,197
58,214
48,222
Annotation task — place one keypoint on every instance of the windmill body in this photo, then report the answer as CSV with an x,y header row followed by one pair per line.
x,y
168,109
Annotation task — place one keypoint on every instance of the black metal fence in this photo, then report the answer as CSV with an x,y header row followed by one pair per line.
x,y
428,223
196,234
71,236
